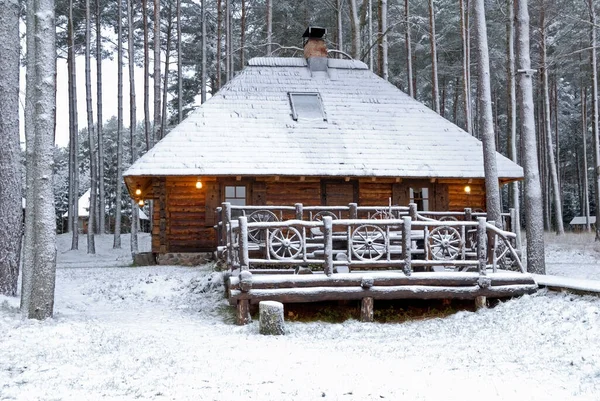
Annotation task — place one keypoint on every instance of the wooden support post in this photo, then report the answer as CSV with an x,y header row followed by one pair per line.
x,y
353,208
225,219
328,244
412,211
468,214
491,243
366,309
480,302
243,243
407,245
481,245
299,211
243,312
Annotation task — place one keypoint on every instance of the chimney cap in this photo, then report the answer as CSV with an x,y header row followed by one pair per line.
x,y
314,32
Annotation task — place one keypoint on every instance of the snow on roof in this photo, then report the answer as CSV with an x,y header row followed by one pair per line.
x,y
84,207
371,129
581,220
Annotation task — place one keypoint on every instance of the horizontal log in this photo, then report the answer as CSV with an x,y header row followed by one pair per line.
x,y
319,294
382,279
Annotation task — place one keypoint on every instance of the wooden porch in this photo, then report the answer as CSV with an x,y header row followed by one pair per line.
x,y
311,254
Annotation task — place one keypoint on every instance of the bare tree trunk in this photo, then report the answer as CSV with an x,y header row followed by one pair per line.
x,y
407,40
91,248
219,34
435,91
595,130
39,269
11,212
492,188
132,122
101,208
586,196
227,40
119,183
339,21
146,77
533,193
383,42
370,5
560,230
230,41
179,65
512,111
158,134
243,36
355,29
203,66
163,123
269,26
74,135
464,33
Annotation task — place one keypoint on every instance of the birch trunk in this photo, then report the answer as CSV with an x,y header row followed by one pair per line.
x,y
132,121
595,115
355,23
533,192
464,33
203,66
11,212
146,77
73,135
101,208
180,65
269,26
435,91
119,184
407,40
492,187
560,230
158,134
512,111
39,269
91,248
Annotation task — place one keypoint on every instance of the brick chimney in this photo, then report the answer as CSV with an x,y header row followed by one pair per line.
x,y
315,49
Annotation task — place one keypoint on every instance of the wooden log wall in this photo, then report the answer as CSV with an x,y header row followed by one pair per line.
x,y
459,199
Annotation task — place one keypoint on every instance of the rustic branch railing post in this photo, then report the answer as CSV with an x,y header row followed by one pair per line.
x,y
353,209
225,220
491,243
299,211
243,243
412,211
481,244
328,244
515,227
468,214
407,245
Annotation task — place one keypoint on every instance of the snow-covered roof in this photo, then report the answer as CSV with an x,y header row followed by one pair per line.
x,y
84,207
581,220
371,129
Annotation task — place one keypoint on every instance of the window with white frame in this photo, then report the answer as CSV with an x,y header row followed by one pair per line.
x,y
420,196
235,194
307,106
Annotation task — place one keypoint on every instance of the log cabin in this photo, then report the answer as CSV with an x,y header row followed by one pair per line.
x,y
314,130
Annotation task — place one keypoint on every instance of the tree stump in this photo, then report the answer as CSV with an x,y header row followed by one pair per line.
x,y
366,309
271,318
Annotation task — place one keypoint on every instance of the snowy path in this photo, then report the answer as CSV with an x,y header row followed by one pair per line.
x,y
165,333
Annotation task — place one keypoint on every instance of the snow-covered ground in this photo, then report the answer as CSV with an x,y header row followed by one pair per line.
x,y
573,255
166,333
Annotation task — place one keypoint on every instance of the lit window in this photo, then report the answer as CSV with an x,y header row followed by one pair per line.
x,y
420,196
307,106
236,195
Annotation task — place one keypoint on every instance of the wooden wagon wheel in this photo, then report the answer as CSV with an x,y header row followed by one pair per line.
x,y
503,257
368,242
285,243
382,215
448,218
324,213
444,243
257,235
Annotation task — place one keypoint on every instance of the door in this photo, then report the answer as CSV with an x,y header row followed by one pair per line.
x,y
338,193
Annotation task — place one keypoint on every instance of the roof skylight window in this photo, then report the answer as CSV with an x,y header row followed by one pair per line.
x,y
307,106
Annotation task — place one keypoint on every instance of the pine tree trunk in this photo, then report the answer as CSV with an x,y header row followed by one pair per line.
x,y
132,122
340,25
512,111
119,181
163,123
533,192
227,40
146,77
560,230
435,91
91,248
204,65
584,125
370,5
384,40
180,65
243,36
73,135
101,208
219,35
11,212
492,188
269,26
158,134
407,41
355,24
464,33
39,268
595,130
